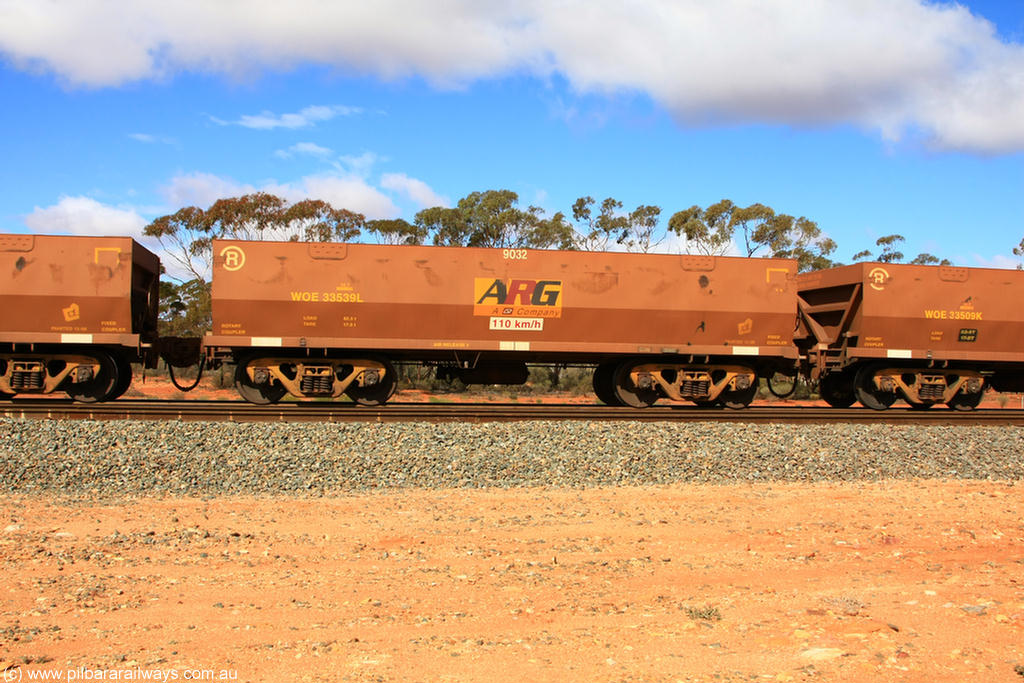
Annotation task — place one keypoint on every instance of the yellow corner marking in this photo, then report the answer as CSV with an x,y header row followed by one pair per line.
x,y
96,253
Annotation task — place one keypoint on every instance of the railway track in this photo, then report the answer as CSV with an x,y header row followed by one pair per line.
x,y
238,411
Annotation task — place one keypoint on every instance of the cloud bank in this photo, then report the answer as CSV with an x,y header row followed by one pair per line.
x,y
905,68
85,216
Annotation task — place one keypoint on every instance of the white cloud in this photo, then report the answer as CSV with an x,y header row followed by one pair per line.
x,y
149,139
304,149
901,67
201,189
85,216
305,118
340,191
416,190
343,190
997,261
358,165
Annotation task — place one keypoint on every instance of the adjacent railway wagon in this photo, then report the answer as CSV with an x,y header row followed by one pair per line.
x,y
74,313
876,332
322,320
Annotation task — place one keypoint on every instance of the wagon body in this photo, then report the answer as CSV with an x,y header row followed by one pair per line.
x,y
428,302
877,310
93,290
925,332
75,312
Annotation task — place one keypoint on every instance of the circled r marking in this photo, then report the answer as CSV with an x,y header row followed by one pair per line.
x,y
234,258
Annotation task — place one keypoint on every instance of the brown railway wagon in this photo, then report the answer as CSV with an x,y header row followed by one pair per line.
x,y
316,319
876,332
76,311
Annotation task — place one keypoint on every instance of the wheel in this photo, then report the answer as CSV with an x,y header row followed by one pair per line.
x,y
4,396
781,393
100,388
604,384
837,390
869,395
124,376
375,394
260,394
628,393
737,399
965,402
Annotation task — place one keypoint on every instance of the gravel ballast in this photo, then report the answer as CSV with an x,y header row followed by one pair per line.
x,y
113,458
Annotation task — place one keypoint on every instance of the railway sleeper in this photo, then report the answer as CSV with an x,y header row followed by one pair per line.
x,y
322,378
702,384
927,387
44,374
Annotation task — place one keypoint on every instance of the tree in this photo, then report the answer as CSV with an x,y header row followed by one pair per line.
x,y
492,219
184,308
642,229
185,237
636,230
188,234
601,229
708,231
1019,251
711,231
397,231
890,253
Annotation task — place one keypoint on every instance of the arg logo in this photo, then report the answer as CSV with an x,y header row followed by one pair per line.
x,y
534,298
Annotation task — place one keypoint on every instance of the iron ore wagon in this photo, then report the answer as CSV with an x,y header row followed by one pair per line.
x,y
876,332
322,320
76,312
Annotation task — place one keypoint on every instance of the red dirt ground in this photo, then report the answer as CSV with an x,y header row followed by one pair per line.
x,y
910,581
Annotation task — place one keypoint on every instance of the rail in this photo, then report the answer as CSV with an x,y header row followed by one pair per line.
x,y
238,411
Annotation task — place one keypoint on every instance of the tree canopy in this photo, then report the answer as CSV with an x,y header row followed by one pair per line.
x,y
713,230
890,253
492,219
187,234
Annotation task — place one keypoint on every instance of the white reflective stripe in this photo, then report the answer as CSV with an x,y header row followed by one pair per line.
x,y
267,341
522,346
513,346
746,350
76,339
899,353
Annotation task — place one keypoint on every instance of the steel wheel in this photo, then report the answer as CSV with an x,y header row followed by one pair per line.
x,y
837,390
737,399
868,394
375,394
965,402
260,394
604,384
100,388
628,393
4,396
124,377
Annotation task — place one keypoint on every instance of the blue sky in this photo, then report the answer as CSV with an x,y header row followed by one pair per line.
x,y
870,117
